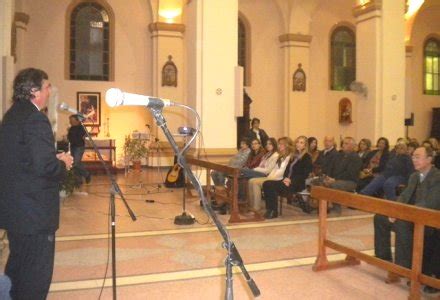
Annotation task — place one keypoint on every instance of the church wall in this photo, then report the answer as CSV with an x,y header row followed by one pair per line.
x,y
267,85
323,101
42,46
426,23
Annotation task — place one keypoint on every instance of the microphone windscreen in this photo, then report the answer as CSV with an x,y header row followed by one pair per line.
x,y
63,106
114,97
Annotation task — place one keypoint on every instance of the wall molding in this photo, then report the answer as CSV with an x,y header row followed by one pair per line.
x,y
161,26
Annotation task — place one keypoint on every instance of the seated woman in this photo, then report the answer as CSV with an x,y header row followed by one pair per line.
x,y
396,172
364,147
285,149
298,169
375,162
256,154
314,153
267,162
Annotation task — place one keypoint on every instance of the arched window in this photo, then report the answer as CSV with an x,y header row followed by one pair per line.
x,y
343,58
243,49
431,59
90,53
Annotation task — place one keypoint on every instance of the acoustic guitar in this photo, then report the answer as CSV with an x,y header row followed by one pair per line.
x,y
175,177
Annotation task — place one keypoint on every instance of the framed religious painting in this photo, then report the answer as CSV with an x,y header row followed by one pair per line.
x,y
89,104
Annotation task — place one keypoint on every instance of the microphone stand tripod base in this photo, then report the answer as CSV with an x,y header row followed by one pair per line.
x,y
184,219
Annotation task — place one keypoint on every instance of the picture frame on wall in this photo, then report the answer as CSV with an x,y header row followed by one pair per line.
x,y
89,104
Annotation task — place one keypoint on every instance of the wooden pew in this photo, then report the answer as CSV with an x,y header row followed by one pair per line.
x,y
421,217
233,198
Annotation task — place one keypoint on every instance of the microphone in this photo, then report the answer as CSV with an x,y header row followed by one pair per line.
x,y
66,107
116,97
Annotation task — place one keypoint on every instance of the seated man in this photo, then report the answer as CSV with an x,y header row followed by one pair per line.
x,y
237,161
397,171
344,170
423,190
326,156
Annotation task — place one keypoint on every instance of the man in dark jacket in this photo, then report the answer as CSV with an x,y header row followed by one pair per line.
x,y
423,190
30,174
344,170
326,157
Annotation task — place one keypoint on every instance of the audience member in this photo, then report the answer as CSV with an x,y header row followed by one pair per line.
x,y
374,163
298,169
314,153
286,148
256,154
237,161
344,170
364,147
255,132
396,172
267,162
423,190
412,146
327,155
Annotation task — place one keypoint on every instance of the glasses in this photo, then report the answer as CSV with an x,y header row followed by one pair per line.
x,y
255,143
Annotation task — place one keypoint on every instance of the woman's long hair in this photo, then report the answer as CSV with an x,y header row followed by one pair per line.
x,y
289,149
300,154
274,143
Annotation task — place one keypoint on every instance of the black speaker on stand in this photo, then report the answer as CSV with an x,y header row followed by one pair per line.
x,y
409,122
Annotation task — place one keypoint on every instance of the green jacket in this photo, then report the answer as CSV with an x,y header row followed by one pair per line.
x,y
428,193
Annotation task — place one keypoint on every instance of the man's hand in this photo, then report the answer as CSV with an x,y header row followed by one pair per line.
x,y
286,181
392,220
328,181
66,158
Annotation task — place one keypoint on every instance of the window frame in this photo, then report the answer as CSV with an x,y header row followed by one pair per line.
x,y
435,39
343,26
111,43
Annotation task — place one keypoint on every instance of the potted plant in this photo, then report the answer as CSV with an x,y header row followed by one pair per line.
x,y
135,149
69,184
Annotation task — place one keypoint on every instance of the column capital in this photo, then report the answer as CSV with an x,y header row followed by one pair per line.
x,y
295,40
295,37
367,7
161,26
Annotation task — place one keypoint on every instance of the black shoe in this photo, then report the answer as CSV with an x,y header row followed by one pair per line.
x,y
430,290
270,214
88,178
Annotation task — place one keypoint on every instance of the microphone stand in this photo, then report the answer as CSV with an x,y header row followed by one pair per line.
x,y
233,257
114,189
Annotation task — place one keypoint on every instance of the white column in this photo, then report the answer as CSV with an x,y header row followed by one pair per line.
x,y
297,105
380,55
168,41
6,60
211,47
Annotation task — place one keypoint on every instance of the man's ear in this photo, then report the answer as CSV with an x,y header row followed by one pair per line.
x,y
36,94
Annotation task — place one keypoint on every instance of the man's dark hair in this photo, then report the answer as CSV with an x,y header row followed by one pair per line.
x,y
246,141
26,82
254,120
74,117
